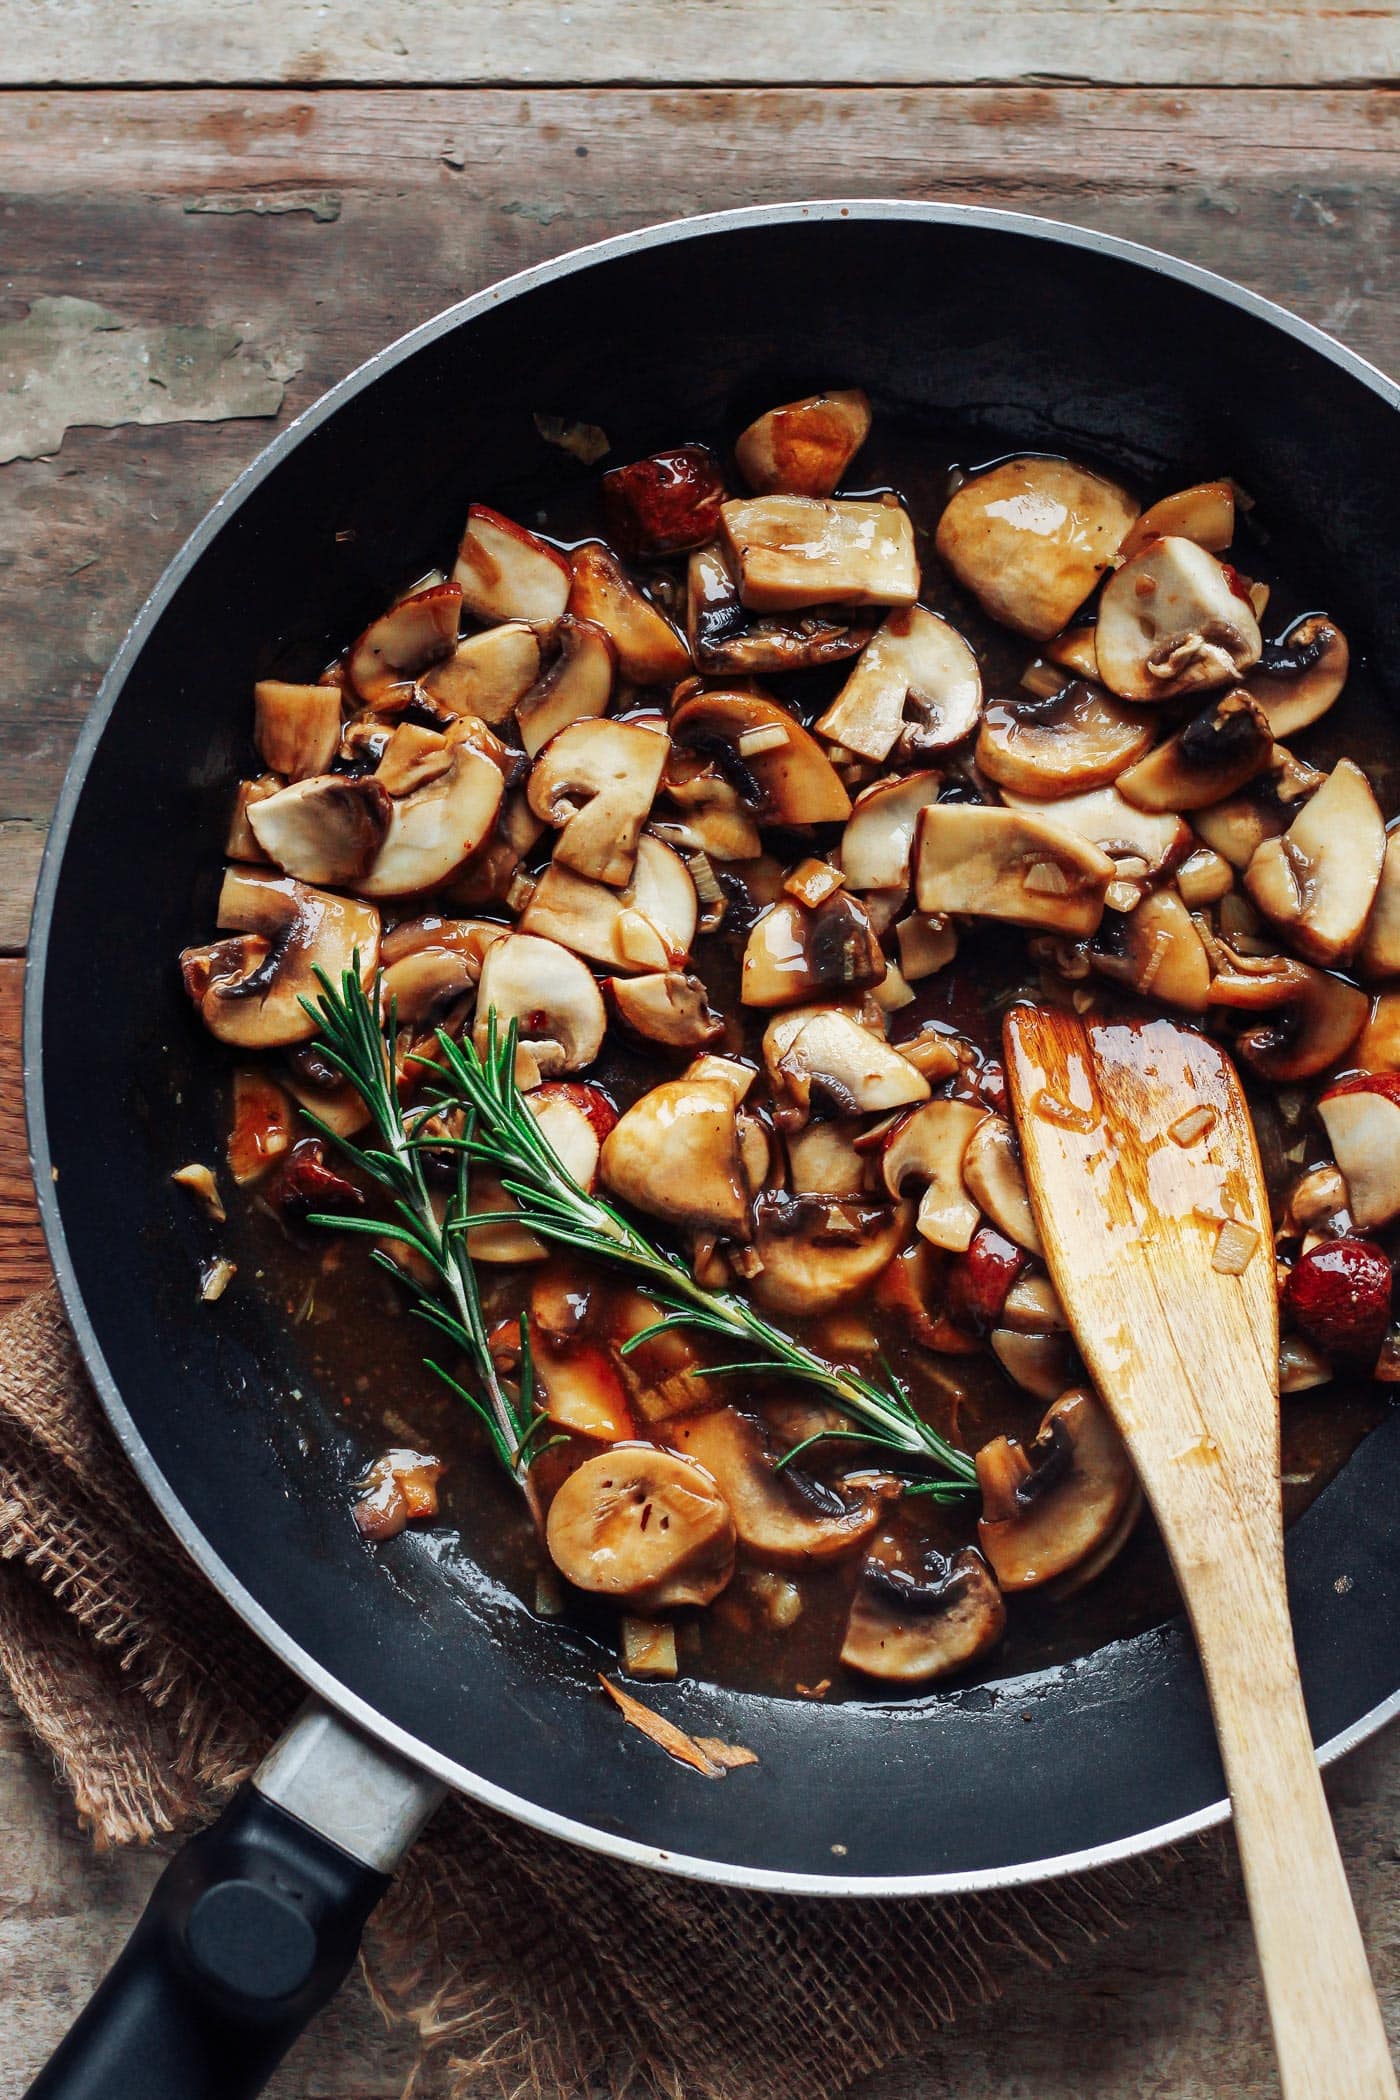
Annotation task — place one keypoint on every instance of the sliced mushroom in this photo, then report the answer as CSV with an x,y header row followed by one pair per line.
x,y
712,817
1307,1033
928,1146
240,844
439,825
417,632
920,1615
1073,650
1005,864
1042,1363
411,757
1361,1116
1378,1047
648,648
644,927
804,447
1215,754
1030,539
507,573
1380,947
823,1160
576,687
642,1524
1300,675
296,727
552,996
793,551
1237,827
1204,513
326,829
927,944
878,842
1032,1306
789,779
488,674
1204,877
663,504
261,1127
724,638
992,1176
595,782
916,686
666,1006
826,1049
1046,1509
1076,739
1320,879
793,953
1171,622
675,1155
818,1252
573,1120
1115,826
787,1519
422,988
581,1388
249,990
1156,951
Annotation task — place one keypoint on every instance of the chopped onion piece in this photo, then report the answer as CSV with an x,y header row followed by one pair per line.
x,y
215,1278
1195,1124
199,1180
754,742
1234,1248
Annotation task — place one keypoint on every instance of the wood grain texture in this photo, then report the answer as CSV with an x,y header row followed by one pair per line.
x,y
725,42
24,1265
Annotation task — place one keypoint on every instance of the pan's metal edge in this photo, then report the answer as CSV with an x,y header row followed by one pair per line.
x,y
157,1486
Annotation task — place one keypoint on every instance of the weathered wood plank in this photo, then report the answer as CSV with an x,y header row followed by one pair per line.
x,y
24,1264
725,42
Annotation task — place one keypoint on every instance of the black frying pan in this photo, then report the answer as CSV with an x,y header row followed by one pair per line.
x,y
1054,338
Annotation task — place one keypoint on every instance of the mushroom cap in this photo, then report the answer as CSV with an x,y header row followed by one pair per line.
x,y
1300,675
992,1175
928,1146
649,650
793,551
249,991
804,447
877,845
1320,879
666,1006
1041,1363
663,504
507,573
1228,744
1169,622
1307,1031
419,630
785,1519
1156,951
436,827
1362,1118
825,1048
1030,538
596,780
488,673
916,1618
794,953
644,927
642,1524
819,1252
1077,739
576,686
723,637
1205,513
1048,1508
1380,946
675,1155
795,782
917,685
823,1160
1006,864
549,993
327,829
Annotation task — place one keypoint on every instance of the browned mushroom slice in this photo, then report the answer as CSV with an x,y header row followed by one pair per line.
x,y
992,1176
1030,539
675,1155
1156,952
644,927
648,648
772,760
878,842
1380,949
576,687
663,504
1378,1046
506,573
1171,622
825,1049
432,929
595,782
823,1160
666,1006
1308,1032
804,447
1204,513
1073,650
818,1252
327,829
916,686
571,1119
920,1615
709,815
1215,754
787,1519
420,630
295,727
439,825
581,1388
1158,838
643,1525
423,986
927,944
793,953
1077,738
1005,864
410,757
1320,879
1043,1364
399,1489
249,989
1300,675
488,673
241,844
1046,1509
261,1127
927,1147
724,639
793,551
552,996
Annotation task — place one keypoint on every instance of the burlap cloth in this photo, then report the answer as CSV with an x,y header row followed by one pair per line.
x,y
524,1967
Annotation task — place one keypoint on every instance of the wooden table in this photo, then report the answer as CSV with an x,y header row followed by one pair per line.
x,y
209,212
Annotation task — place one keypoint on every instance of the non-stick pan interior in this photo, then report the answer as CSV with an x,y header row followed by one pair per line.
x,y
958,317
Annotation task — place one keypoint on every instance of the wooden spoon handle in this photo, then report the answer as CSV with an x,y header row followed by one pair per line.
x,y
1328,2032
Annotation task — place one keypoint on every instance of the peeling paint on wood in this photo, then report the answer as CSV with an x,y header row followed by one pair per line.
x,y
71,362
323,206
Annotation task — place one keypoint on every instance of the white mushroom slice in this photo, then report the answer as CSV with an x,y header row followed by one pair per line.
x,y
643,1525
1362,1119
1005,864
437,827
1030,539
411,758
552,996
712,817
466,937
1204,513
785,1519
1112,824
1320,879
1046,1509
723,637
488,674
793,953
576,687
648,648
1156,951
928,1146
917,1616
422,985
1380,949
1204,877
1217,752
794,783
823,1160
327,829
675,1155
878,842
1080,738
506,573
926,945
296,727
1306,1033
819,1252
826,1049
420,630
571,1119
1043,1365
1032,1306
249,989
1170,623
1074,650
1301,675
666,1006
916,686
804,447
595,782
647,926
793,551
992,1176
240,843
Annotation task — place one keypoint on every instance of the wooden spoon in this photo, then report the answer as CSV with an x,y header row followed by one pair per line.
x,y
1137,1146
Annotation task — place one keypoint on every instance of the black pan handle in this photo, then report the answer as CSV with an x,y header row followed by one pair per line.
x,y
251,1928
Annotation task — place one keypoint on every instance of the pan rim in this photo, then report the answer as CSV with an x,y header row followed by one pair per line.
x,y
259,1620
